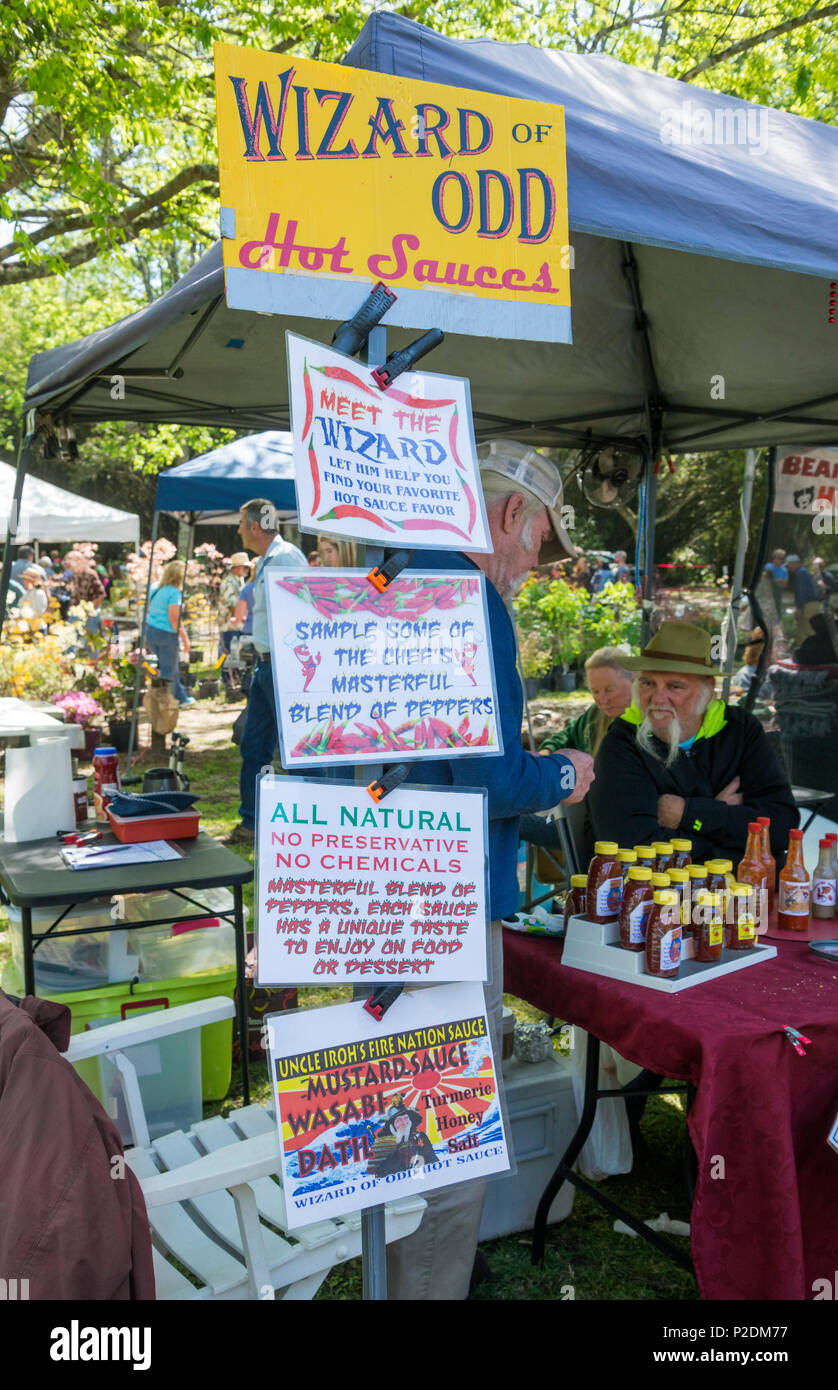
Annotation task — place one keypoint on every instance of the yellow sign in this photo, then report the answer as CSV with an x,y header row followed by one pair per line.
x,y
333,178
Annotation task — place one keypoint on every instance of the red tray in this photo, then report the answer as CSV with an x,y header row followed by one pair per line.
x,y
132,830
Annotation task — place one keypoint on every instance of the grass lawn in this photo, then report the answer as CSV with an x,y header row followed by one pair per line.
x,y
584,1254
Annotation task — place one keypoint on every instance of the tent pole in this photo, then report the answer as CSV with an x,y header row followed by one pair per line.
x,y
729,625
138,674
23,455
190,540
649,548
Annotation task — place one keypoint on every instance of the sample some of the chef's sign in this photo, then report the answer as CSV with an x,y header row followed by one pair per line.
x,y
362,676
333,172
395,467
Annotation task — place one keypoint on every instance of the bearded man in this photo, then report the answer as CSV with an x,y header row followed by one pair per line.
x,y
679,761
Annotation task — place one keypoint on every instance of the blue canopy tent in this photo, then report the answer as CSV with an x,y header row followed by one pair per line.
x,y
211,489
704,242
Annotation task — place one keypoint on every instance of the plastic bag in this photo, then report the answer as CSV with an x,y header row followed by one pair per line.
x,y
162,708
607,1150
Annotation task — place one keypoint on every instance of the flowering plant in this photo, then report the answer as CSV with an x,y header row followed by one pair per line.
x,y
78,707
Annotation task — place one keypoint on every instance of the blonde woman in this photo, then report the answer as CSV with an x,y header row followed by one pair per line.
x,y
610,684
336,553
163,625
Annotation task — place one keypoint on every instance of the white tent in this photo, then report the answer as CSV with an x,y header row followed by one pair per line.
x,y
48,513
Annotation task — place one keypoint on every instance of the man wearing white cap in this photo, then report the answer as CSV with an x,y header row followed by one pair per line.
x,y
523,493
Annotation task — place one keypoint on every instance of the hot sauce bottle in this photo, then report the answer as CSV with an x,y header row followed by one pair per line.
x,y
794,888
664,855
683,853
635,908
717,870
741,926
698,879
645,856
574,903
605,883
627,857
663,935
823,883
770,861
752,868
708,925
679,881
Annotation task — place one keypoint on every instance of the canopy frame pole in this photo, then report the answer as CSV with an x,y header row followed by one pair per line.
x,y
143,625
190,541
655,406
731,618
23,455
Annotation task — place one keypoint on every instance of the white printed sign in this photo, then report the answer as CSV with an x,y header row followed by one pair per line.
x,y
351,891
807,481
396,467
368,1112
364,677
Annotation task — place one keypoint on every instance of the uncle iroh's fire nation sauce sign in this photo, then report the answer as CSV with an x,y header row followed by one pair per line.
x,y
329,171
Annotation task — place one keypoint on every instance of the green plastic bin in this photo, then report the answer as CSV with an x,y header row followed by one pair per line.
x,y
106,1002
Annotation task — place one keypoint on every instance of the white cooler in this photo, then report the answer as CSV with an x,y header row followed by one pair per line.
x,y
542,1119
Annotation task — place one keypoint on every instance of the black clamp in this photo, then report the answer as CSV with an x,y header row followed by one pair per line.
x,y
399,362
388,781
352,334
382,576
380,1000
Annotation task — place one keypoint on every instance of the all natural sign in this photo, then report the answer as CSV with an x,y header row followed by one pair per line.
x,y
349,891
333,178
396,467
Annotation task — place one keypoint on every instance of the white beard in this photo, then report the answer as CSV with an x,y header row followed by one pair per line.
x,y
671,736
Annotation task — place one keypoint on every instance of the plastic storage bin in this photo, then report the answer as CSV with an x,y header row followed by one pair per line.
x,y
542,1121
74,962
168,1075
165,953
88,1005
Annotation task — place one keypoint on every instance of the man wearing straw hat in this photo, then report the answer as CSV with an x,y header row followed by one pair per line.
x,y
681,760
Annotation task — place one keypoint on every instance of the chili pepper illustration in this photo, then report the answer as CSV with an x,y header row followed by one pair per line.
x,y
466,659
452,438
417,402
472,505
346,509
308,662
341,374
417,523
309,401
315,476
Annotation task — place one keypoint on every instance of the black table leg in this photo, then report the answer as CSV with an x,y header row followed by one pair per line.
x,y
241,991
28,957
571,1153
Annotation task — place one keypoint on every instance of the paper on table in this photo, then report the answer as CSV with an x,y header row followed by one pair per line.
x,y
113,856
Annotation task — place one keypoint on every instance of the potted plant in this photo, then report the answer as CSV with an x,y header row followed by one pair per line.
x,y
81,708
116,693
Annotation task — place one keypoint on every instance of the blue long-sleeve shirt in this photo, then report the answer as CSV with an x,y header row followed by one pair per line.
x,y
516,782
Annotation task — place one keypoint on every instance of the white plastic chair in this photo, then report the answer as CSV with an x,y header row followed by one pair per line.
x,y
215,1205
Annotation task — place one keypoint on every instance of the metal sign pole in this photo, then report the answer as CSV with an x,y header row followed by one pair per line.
x,y
373,1235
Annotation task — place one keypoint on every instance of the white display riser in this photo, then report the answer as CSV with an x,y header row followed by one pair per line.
x,y
596,948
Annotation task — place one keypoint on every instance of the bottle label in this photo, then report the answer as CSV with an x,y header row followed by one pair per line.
x,y
745,927
609,895
637,921
793,898
823,892
671,949
715,932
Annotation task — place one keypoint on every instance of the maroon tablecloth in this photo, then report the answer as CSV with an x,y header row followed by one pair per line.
x,y
768,1228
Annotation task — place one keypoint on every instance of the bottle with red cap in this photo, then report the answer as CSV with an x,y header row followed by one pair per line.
x,y
770,861
752,869
824,883
794,888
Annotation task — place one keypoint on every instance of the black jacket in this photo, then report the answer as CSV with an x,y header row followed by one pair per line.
x,y
731,743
